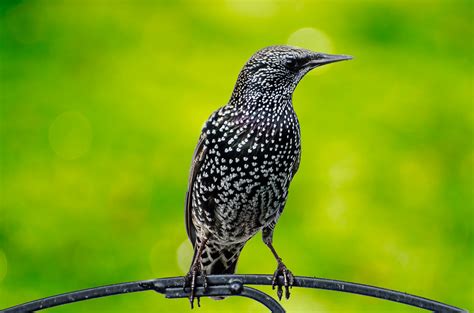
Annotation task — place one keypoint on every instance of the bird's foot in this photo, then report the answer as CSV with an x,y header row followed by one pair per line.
x,y
288,280
190,281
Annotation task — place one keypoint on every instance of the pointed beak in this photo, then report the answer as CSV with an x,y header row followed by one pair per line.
x,y
319,59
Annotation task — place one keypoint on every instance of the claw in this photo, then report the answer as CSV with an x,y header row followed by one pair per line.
x,y
288,280
190,280
279,292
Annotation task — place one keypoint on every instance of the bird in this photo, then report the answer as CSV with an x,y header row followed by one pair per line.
x,y
247,154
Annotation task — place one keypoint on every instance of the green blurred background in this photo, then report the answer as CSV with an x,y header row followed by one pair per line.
x,y
102,103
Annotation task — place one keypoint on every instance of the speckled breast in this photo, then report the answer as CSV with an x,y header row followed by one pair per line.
x,y
243,183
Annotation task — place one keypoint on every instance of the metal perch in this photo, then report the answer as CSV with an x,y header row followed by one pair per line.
x,y
232,285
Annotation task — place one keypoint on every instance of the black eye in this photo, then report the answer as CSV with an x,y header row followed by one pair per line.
x,y
292,64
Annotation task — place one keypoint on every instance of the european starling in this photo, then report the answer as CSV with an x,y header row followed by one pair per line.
x,y
248,152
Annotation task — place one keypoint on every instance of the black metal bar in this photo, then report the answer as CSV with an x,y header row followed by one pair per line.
x,y
230,290
228,285
81,295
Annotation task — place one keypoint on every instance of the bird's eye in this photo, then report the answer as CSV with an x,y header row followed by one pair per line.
x,y
292,64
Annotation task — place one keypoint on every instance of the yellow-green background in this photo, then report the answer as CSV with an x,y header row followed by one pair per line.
x,y
102,103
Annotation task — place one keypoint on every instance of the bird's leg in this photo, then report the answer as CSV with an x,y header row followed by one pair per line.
x,y
288,277
194,271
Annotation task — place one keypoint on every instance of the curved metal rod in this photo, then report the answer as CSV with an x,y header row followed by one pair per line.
x,y
342,286
224,283
236,288
263,298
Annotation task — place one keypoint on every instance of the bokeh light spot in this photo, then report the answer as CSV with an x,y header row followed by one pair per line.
x,y
184,255
311,38
341,173
3,265
336,211
70,135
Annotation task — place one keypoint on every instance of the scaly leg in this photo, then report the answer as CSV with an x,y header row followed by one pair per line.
x,y
194,271
288,278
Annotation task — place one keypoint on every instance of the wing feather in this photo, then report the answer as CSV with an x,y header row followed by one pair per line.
x,y
198,157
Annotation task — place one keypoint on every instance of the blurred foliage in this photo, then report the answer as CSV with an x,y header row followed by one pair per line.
x,y
102,103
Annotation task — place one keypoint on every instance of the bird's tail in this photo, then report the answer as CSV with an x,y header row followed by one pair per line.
x,y
219,259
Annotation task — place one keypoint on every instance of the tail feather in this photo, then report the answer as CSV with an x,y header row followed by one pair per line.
x,y
218,259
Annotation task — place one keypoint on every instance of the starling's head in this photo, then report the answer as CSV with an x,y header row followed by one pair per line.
x,y
278,69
